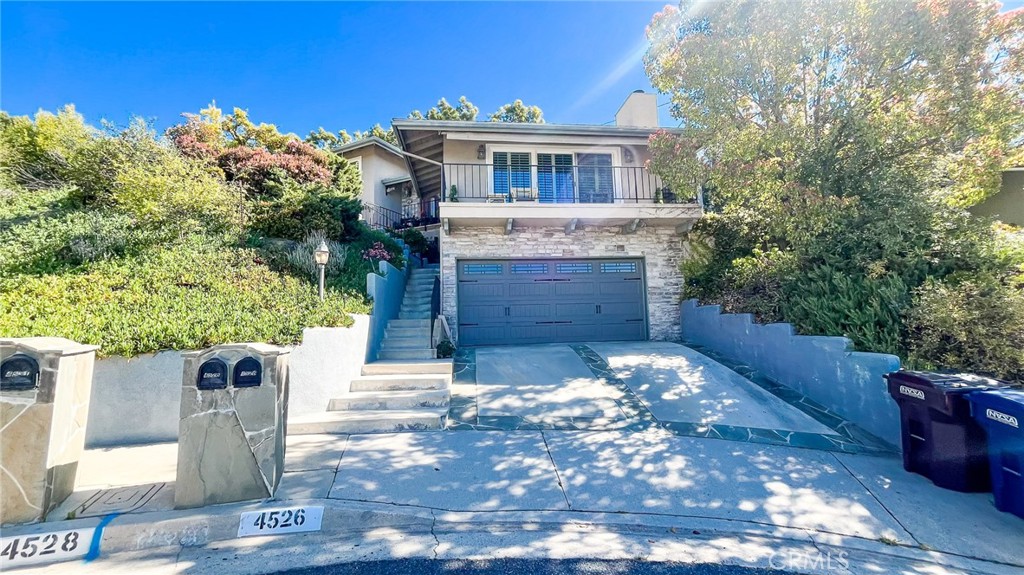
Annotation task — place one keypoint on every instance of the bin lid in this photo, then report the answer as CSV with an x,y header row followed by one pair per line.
x,y
945,382
1006,400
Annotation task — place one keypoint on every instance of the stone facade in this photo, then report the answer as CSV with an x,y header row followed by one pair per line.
x,y
662,248
231,442
43,429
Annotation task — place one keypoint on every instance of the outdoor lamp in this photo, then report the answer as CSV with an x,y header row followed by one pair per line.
x,y
320,256
481,152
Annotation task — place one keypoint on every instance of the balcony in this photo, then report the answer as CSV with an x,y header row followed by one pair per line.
x,y
503,195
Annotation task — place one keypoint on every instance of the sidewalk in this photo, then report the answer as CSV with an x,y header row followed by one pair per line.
x,y
610,494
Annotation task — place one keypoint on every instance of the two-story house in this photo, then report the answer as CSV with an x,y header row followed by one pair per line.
x,y
552,233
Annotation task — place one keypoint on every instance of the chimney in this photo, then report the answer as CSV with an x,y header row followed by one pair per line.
x,y
640,110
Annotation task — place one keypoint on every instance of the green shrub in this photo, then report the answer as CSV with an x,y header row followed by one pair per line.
x,y
445,349
295,210
184,297
301,259
415,240
975,324
865,309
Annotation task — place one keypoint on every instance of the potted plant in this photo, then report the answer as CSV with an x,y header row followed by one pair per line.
x,y
453,194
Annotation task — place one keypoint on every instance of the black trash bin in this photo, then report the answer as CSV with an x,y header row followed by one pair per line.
x,y
940,438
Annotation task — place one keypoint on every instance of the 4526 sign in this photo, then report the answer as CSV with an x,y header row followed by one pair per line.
x,y
281,521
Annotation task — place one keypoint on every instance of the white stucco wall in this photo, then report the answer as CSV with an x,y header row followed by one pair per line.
x,y
378,165
136,400
663,251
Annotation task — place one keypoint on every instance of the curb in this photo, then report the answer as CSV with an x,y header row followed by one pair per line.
x,y
376,527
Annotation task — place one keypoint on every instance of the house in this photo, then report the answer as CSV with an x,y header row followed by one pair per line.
x,y
387,190
1007,205
552,233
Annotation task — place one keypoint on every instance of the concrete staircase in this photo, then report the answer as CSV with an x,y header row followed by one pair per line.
x,y
406,389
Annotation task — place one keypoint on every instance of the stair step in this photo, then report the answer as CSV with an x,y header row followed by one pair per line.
x,y
418,342
413,353
370,421
407,368
424,315
409,323
400,382
391,400
398,332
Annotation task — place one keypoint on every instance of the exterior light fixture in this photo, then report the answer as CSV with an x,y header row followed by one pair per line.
x,y
481,152
320,256
627,155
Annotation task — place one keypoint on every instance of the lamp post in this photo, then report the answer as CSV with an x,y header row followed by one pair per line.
x,y
321,256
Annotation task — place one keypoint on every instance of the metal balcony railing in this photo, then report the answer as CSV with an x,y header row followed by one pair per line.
x,y
556,184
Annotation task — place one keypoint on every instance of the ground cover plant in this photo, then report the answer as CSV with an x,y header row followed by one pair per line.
x,y
138,242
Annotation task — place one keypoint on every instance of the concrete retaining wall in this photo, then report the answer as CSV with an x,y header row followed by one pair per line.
x,y
387,291
822,368
136,400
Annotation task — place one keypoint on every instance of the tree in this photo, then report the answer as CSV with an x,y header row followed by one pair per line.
x,y
836,143
517,112
464,112
377,132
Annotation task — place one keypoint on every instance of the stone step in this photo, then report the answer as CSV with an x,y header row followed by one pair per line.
x,y
409,323
417,297
414,308
420,331
370,421
399,382
415,342
391,400
414,353
424,315
407,368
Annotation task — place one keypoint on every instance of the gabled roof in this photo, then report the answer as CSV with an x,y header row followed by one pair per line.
x,y
371,141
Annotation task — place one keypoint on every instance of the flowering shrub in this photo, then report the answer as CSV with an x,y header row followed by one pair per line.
x,y
378,251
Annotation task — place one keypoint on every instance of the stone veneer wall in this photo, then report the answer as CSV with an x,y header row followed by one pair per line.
x,y
823,368
662,249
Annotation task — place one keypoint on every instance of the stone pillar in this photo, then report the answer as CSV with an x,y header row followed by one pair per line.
x,y
45,385
231,436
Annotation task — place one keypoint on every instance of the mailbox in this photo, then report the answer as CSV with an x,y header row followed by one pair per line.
x,y
213,374
248,372
19,373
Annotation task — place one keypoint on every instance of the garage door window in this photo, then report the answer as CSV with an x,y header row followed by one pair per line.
x,y
575,268
481,269
618,267
529,268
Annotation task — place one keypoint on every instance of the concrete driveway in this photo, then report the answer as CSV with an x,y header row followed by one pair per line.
x,y
634,386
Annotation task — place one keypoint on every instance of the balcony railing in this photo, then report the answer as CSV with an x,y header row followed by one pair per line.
x,y
380,218
556,184
421,213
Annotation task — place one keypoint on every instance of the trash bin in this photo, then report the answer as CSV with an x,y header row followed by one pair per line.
x,y
231,436
1001,413
940,438
45,386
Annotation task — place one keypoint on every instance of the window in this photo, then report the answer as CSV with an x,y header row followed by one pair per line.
x,y
596,184
574,268
618,267
555,181
512,173
481,269
529,268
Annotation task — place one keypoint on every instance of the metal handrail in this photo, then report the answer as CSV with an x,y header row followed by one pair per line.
x,y
379,217
573,183
435,306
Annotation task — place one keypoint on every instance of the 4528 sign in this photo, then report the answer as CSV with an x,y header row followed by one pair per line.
x,y
280,521
44,547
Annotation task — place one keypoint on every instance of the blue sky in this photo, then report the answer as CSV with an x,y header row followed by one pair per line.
x,y
336,65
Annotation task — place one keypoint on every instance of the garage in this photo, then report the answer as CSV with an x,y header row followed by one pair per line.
x,y
522,301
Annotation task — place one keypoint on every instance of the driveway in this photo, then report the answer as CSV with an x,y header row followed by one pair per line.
x,y
634,386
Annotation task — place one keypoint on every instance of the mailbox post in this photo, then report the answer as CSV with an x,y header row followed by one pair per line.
x,y
45,384
231,436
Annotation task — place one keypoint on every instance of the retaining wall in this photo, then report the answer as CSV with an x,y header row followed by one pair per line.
x,y
821,367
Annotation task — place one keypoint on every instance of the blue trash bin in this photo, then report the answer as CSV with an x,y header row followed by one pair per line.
x,y
1000,412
